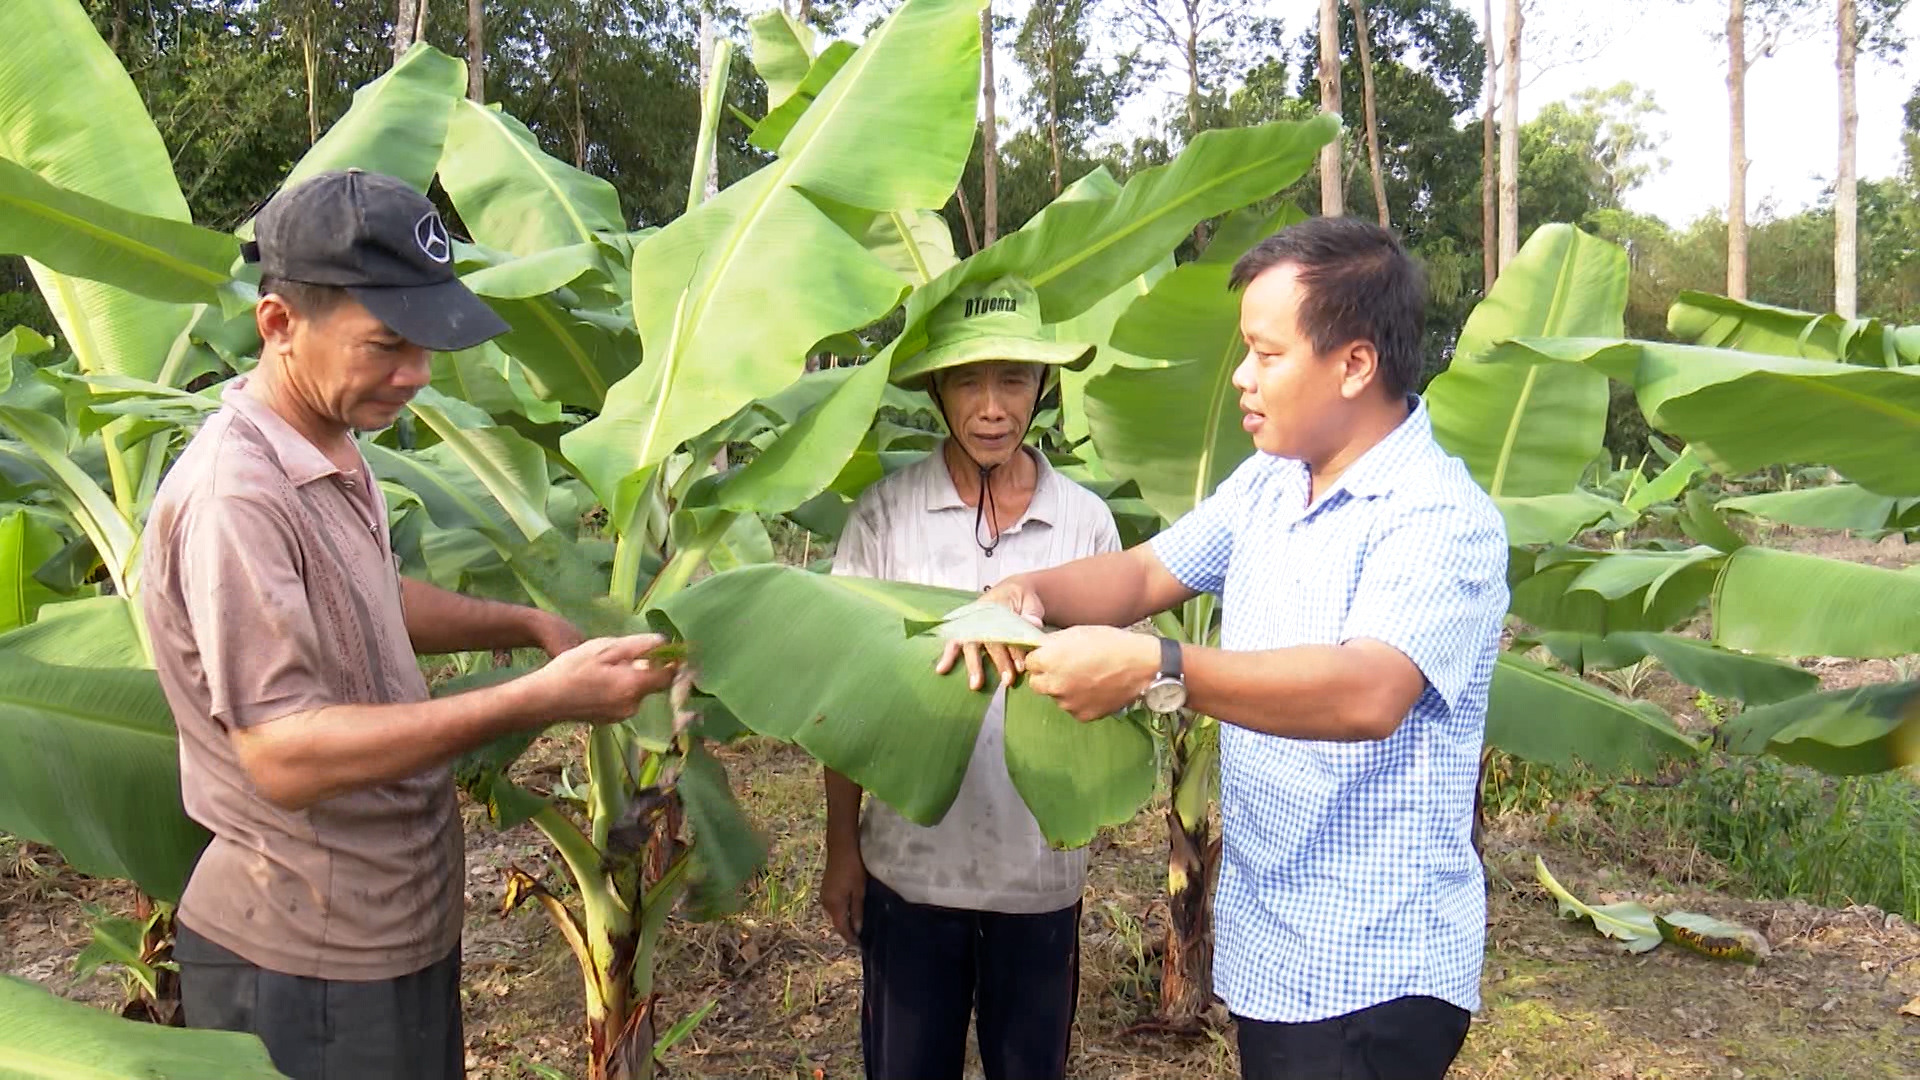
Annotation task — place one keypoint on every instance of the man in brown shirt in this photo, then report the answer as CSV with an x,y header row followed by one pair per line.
x,y
325,915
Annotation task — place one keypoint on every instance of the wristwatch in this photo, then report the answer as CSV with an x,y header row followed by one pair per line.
x,y
1167,693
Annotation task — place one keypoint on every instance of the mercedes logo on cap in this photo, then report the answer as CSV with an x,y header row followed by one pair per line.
x,y
431,235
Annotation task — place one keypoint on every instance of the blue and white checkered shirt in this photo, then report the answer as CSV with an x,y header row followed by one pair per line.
x,y
1349,876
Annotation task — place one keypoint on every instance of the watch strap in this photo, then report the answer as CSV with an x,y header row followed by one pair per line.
x,y
1170,659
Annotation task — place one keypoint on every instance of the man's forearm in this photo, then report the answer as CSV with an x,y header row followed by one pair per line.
x,y
1114,589
1341,693
439,621
301,759
843,809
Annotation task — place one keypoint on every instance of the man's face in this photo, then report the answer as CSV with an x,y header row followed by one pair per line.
x,y
989,406
350,369
1292,397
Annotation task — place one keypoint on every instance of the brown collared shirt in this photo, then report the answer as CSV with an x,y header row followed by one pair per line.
x,y
270,589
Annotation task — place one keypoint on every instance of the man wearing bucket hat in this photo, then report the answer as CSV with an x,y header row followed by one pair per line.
x,y
324,916
977,912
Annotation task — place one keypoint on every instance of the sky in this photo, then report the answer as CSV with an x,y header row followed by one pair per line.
x,y
1669,48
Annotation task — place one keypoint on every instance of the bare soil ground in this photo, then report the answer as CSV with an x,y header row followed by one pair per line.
x,y
1559,1000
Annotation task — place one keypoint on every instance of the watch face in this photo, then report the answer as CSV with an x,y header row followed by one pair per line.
x,y
1166,696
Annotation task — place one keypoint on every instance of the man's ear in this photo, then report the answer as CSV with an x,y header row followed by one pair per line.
x,y
1360,368
274,320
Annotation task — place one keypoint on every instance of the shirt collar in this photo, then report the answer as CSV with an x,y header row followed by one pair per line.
x,y
1044,507
1381,469
299,459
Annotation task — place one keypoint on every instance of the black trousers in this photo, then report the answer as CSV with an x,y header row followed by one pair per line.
x,y
928,969
407,1028
1409,1038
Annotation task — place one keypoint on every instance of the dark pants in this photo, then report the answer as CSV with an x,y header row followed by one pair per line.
x,y
1409,1038
928,969
407,1028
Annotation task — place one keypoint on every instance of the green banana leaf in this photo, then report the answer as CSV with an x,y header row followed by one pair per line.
x,y
1079,251
85,237
70,115
1756,680
512,469
782,53
1602,593
1554,519
1537,714
727,849
1175,431
900,731
916,244
811,452
1669,485
1837,506
729,297
772,131
92,768
43,1035
1745,411
541,272
485,378
1630,922
1532,431
568,357
91,508
1867,729
397,124
26,543
1724,323
513,196
1783,603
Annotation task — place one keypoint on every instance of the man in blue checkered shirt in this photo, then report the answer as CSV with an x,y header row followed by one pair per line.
x,y
1362,576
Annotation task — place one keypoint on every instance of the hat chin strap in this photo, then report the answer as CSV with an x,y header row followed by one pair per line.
x,y
983,507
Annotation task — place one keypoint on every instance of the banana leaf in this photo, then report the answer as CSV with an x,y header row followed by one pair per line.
x,y
45,1035
1175,431
896,728
26,543
397,123
1602,593
1837,506
1867,729
1540,715
1756,680
1532,430
93,767
1783,603
1721,322
1745,411
512,195
729,297
1554,519
782,53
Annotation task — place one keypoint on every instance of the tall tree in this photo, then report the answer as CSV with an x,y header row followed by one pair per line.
x,y
1360,36
1510,140
1332,186
1846,211
990,134
406,23
1070,95
1766,24
1203,39
1490,161
476,51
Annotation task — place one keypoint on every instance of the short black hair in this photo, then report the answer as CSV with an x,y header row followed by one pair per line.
x,y
1360,285
305,298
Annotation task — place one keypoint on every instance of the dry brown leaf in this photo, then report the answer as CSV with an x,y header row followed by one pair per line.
x,y
1911,1008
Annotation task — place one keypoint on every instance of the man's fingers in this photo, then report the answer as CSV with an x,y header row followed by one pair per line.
x,y
973,665
947,657
1003,662
630,648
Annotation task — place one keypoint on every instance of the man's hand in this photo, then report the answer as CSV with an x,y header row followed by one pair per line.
x,y
552,633
843,887
1093,671
1010,660
604,680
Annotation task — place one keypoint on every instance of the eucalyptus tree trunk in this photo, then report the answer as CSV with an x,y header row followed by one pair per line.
x,y
1373,125
406,23
476,52
1737,149
990,133
1332,195
1489,163
1845,203
1510,141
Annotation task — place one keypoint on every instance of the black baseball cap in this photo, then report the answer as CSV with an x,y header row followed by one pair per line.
x,y
382,241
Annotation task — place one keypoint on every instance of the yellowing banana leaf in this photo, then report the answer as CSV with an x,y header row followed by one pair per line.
x,y
1867,729
45,1035
1712,937
512,195
729,297
1175,430
1629,923
92,767
397,123
889,722
1745,411
1532,430
85,237
1784,603
1538,714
